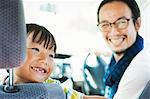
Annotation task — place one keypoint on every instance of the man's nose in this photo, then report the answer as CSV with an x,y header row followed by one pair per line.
x,y
114,30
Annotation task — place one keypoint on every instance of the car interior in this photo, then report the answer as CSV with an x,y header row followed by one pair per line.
x,y
73,23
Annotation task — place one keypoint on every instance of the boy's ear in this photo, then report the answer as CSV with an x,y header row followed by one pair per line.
x,y
137,24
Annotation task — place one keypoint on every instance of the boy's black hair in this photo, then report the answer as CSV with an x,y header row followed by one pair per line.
x,y
132,4
45,35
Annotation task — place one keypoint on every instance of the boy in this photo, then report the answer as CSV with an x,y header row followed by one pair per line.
x,y
39,61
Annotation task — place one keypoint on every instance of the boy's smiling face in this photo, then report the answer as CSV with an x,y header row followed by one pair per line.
x,y
38,65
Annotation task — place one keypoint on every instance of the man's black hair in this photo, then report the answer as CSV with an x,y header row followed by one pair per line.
x,y
132,4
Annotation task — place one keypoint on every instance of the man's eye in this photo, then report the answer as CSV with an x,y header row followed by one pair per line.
x,y
121,21
35,49
104,24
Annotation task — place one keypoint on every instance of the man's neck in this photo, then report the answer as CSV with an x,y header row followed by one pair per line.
x,y
118,56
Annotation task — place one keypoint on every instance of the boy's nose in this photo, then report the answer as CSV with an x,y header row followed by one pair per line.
x,y
43,58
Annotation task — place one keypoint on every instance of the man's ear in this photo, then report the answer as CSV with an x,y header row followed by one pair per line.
x,y
137,24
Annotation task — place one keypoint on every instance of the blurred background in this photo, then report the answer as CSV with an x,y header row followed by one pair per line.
x,y
81,48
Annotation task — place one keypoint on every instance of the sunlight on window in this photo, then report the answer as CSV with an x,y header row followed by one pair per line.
x,y
73,23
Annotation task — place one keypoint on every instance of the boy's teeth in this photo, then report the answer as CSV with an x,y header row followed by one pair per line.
x,y
42,71
39,69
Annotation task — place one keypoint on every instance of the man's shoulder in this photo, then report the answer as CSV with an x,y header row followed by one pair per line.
x,y
143,57
136,76
138,69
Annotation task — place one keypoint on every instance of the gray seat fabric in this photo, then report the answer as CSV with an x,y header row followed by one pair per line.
x,y
34,91
146,92
12,53
12,33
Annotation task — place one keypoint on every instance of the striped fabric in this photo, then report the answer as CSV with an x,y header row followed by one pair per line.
x,y
70,93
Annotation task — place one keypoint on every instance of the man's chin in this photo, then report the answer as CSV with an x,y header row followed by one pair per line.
x,y
118,52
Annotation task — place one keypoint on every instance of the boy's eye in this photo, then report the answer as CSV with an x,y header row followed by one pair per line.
x,y
35,49
50,55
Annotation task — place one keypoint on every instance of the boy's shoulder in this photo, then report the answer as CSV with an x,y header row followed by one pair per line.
x,y
50,80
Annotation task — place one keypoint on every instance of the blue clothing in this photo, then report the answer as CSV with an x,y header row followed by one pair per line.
x,y
116,70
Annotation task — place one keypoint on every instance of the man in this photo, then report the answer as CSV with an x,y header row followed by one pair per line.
x,y
129,68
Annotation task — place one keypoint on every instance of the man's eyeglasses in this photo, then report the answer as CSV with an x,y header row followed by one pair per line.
x,y
119,24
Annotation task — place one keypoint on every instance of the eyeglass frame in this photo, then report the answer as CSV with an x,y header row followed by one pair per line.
x,y
115,24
